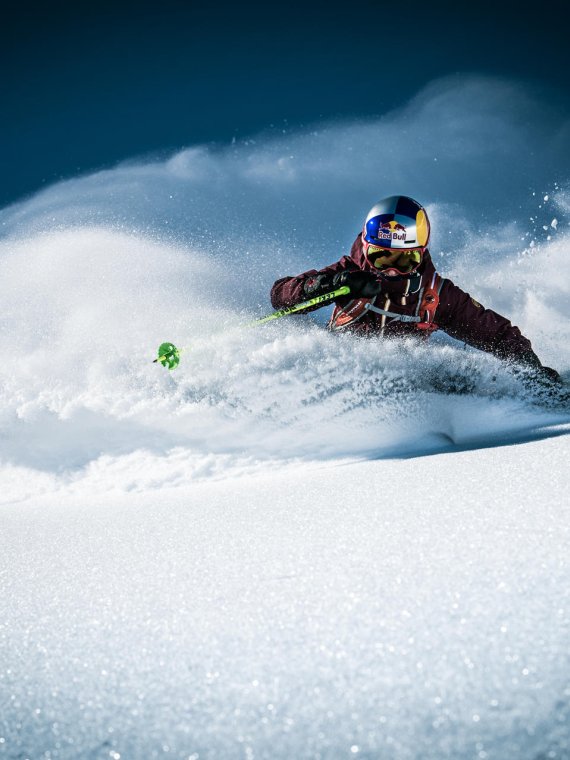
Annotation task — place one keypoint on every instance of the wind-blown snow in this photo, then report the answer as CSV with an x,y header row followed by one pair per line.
x,y
297,544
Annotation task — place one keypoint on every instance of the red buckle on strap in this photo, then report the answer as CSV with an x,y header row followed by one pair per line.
x,y
429,304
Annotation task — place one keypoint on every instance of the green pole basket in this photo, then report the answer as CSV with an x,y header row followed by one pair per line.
x,y
168,355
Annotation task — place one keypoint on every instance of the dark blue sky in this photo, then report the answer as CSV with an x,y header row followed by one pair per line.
x,y
86,86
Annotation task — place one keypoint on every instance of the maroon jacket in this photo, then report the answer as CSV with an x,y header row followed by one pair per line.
x,y
457,313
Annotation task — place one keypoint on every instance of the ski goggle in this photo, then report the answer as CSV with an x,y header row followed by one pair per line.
x,y
393,261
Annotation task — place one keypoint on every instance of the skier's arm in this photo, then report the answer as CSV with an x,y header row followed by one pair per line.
x,y
290,291
464,318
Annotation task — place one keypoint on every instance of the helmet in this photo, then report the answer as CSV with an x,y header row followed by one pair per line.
x,y
396,225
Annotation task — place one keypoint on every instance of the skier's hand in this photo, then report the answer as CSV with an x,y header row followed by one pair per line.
x,y
362,284
548,377
547,385
538,378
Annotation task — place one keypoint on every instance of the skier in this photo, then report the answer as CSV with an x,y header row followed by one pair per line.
x,y
395,290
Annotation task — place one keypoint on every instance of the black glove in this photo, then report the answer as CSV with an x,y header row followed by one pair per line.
x,y
362,284
530,362
549,375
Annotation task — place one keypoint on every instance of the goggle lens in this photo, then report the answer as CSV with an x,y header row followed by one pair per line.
x,y
400,259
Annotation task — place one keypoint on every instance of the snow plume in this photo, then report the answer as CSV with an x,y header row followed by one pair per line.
x,y
97,271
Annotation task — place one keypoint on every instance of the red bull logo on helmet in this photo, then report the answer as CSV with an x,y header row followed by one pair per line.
x,y
391,231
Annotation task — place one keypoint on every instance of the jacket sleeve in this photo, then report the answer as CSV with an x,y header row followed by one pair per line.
x,y
289,290
464,318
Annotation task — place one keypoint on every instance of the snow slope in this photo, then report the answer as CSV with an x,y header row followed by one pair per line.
x,y
322,611
297,544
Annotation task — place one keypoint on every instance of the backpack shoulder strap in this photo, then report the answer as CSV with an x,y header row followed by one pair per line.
x,y
428,303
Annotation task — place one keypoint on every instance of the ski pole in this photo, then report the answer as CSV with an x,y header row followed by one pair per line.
x,y
169,355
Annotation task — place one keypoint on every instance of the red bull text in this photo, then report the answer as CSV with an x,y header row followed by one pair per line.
x,y
392,231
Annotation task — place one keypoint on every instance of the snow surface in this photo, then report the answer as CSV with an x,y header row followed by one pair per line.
x,y
347,608
297,544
